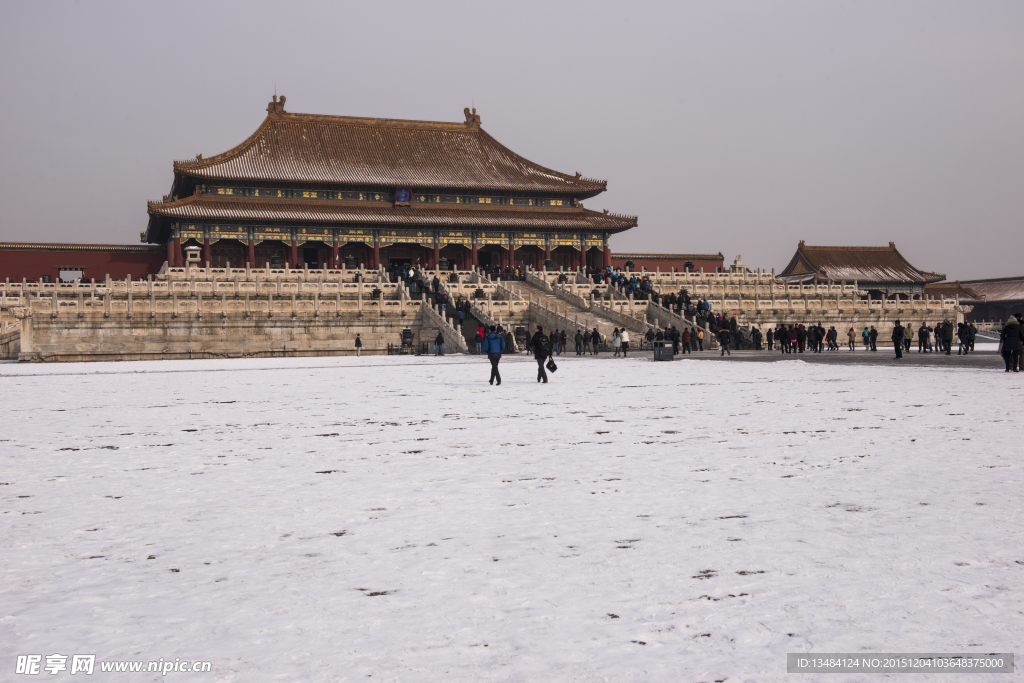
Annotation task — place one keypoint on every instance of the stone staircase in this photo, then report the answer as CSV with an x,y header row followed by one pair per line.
x,y
573,316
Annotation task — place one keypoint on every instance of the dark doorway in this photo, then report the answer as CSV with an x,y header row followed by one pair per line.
x,y
483,258
311,257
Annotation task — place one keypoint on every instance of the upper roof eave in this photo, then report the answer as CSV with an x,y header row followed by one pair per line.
x,y
346,150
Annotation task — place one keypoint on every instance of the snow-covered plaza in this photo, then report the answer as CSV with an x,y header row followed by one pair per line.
x,y
398,519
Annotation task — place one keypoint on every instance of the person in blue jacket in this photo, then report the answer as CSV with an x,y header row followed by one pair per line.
x,y
493,346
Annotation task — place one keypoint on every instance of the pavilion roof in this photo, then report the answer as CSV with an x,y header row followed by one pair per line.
x,y
250,209
997,289
951,290
866,264
347,150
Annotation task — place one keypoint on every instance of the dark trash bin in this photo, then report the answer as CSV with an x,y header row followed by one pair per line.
x,y
663,350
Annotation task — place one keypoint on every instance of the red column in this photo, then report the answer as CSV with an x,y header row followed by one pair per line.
x,y
547,252
437,255
376,254
252,253
206,251
170,253
295,254
177,252
334,254
474,262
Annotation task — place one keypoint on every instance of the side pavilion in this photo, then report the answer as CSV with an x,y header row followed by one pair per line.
x,y
882,271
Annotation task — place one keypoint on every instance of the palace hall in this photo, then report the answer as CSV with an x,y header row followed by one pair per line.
x,y
316,190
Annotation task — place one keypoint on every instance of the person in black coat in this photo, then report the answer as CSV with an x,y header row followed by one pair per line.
x,y
947,336
541,351
1012,338
723,341
897,339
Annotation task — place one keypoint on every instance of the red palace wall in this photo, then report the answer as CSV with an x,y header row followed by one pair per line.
x,y
711,263
33,261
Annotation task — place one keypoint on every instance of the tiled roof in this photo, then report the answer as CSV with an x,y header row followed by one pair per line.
x,y
997,289
669,257
61,246
309,148
245,209
950,290
865,264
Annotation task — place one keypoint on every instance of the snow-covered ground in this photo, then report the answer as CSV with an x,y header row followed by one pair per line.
x,y
397,519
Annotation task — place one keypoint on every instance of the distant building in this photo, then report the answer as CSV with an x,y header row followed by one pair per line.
x,y
882,271
43,262
994,300
667,263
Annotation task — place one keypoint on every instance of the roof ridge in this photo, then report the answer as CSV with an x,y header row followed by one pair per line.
x,y
1012,278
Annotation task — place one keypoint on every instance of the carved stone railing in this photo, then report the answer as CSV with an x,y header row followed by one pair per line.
x,y
452,336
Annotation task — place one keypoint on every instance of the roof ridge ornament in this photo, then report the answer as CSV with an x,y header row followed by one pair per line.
x,y
276,106
472,118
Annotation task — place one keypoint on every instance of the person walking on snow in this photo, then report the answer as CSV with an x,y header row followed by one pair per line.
x,y
624,336
359,345
541,352
494,344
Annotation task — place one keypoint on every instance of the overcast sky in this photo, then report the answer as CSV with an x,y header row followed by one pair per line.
x,y
739,127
